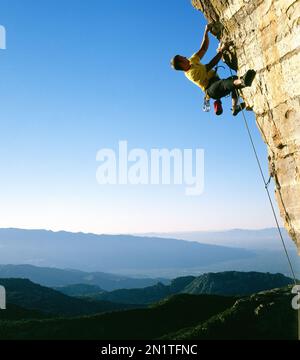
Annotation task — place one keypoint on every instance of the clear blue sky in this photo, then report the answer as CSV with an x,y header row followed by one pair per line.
x,y
78,76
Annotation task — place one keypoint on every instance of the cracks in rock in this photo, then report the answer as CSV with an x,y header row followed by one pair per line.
x,y
286,56
290,6
289,155
290,99
271,23
280,146
287,218
284,212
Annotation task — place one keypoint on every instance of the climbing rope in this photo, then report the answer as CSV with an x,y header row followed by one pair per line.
x,y
266,184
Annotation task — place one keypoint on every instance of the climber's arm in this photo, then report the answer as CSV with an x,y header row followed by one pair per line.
x,y
218,57
205,43
214,61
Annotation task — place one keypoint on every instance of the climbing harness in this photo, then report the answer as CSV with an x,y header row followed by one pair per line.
x,y
219,66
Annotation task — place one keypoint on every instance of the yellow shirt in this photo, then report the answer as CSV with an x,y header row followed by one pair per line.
x,y
198,73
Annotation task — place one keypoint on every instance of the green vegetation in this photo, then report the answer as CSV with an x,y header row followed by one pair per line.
x,y
173,314
231,283
14,312
26,294
236,283
37,312
268,315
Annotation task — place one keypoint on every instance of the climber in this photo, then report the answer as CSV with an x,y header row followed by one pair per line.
x,y
207,79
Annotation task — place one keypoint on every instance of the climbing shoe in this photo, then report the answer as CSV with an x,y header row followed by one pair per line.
x,y
248,78
237,109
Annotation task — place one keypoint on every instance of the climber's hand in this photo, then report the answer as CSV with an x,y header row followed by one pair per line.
x,y
223,47
208,27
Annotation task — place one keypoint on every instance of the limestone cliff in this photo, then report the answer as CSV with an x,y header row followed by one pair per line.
x,y
266,37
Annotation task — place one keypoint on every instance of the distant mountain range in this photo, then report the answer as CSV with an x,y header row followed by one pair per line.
x,y
236,283
79,290
229,283
53,277
27,295
122,254
258,239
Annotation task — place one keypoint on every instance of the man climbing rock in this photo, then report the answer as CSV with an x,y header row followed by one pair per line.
x,y
207,79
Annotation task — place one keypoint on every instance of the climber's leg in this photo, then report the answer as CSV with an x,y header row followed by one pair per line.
x,y
236,107
222,88
234,100
238,84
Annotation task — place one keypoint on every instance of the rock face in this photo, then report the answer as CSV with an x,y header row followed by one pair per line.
x,y
265,35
